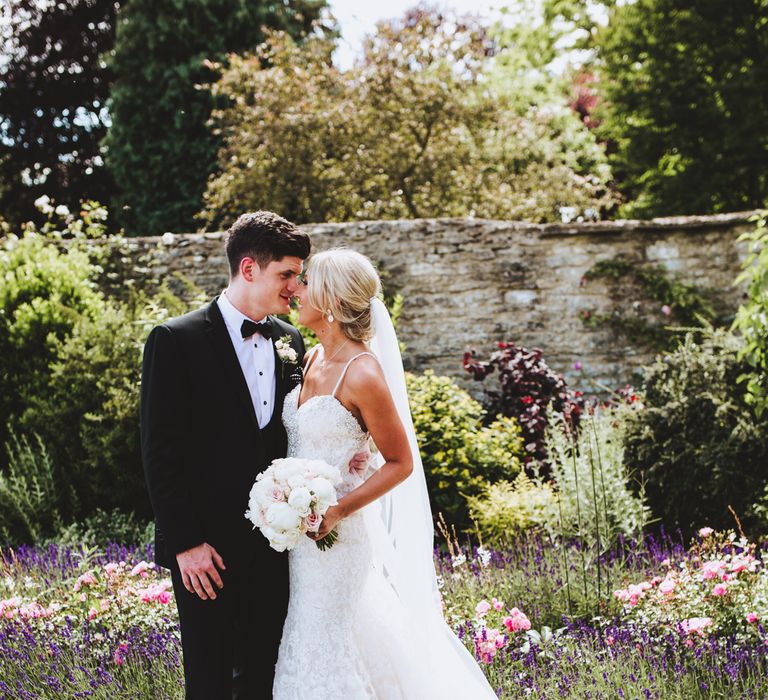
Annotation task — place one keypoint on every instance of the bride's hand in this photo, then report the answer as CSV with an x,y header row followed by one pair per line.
x,y
329,521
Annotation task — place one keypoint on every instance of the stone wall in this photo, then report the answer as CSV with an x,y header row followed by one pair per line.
x,y
475,282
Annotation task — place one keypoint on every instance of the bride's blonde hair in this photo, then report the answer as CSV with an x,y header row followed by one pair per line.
x,y
343,282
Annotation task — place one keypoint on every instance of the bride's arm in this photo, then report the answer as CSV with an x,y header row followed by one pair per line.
x,y
366,389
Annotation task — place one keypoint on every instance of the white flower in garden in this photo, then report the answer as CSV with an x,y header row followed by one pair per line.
x,y
62,210
168,238
484,556
43,204
458,560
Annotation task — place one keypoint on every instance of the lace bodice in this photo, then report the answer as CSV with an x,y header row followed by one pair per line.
x,y
323,428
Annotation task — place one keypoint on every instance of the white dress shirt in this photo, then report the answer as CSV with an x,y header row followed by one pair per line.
x,y
257,360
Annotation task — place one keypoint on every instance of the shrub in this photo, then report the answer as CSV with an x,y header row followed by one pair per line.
x,y
505,509
30,497
597,502
752,317
44,293
529,390
89,414
104,527
459,454
699,444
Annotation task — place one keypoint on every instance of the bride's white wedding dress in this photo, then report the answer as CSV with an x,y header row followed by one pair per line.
x,y
347,635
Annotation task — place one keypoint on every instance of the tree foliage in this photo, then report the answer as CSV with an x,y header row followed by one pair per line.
x,y
160,150
414,129
54,85
685,103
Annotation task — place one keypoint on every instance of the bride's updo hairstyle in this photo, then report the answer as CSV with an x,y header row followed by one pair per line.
x,y
343,282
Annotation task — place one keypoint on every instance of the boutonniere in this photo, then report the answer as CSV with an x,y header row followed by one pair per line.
x,y
287,355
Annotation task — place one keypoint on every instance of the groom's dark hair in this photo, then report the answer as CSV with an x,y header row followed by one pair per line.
x,y
264,236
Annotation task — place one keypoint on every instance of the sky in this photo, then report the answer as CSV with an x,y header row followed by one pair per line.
x,y
358,18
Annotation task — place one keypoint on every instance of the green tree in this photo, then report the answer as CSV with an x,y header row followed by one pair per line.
x,y
415,129
54,85
160,150
685,103
752,317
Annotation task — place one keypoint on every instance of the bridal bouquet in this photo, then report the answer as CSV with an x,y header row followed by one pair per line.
x,y
289,499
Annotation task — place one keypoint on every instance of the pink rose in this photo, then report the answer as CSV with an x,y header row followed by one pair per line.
x,y
751,618
92,613
110,568
482,608
667,586
720,589
712,569
705,532
666,310
696,625
497,604
516,621
312,522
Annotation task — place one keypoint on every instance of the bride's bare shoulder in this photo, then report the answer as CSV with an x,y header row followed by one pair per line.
x,y
365,375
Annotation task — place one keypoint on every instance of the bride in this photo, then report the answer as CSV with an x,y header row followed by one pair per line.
x,y
364,620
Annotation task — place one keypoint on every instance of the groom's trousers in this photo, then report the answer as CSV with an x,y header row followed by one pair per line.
x,y
230,644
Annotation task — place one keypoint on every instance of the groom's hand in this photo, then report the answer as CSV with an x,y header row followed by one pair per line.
x,y
199,572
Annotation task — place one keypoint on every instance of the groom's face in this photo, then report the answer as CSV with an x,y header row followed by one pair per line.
x,y
273,286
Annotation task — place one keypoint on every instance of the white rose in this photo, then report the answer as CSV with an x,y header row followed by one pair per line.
x,y
300,500
324,492
62,210
325,470
297,481
261,492
281,516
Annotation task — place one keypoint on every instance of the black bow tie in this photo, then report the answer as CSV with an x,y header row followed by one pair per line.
x,y
248,328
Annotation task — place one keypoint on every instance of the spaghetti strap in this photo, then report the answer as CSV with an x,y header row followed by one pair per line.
x,y
313,351
346,367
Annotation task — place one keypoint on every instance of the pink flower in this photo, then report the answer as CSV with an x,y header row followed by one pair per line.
x,y
696,625
482,608
516,621
751,618
312,522
119,655
720,589
705,532
666,310
712,569
141,569
577,366
667,586
497,604
609,640
110,568
92,613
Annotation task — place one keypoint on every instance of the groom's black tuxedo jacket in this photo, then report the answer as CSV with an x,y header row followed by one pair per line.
x,y
201,443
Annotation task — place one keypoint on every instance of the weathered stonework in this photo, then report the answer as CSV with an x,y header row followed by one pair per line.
x,y
474,282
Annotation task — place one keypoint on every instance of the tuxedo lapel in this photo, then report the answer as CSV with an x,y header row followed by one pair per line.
x,y
219,337
282,372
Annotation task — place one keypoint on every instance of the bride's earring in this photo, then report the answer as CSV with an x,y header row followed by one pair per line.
x,y
330,316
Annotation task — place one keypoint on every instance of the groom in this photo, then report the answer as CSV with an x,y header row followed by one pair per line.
x,y
212,394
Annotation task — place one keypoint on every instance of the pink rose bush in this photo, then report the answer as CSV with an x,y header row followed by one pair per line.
x,y
721,588
118,595
491,621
